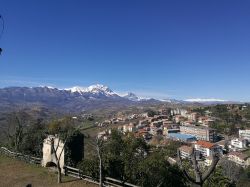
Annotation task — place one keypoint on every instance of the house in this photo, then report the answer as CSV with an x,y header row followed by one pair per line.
x,y
144,115
245,134
170,128
202,119
239,143
103,135
193,116
185,151
156,131
239,158
166,121
129,128
143,133
133,116
179,118
156,124
105,123
143,122
244,107
178,111
187,123
206,148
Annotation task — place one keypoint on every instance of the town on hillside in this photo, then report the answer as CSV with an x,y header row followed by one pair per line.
x,y
190,129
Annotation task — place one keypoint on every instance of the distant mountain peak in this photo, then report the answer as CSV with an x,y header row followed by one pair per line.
x,y
76,89
131,94
94,89
133,97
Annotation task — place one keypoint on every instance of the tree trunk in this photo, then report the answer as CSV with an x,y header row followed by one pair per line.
x,y
100,162
59,175
100,166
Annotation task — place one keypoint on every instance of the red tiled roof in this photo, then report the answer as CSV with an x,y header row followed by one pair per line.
x,y
205,144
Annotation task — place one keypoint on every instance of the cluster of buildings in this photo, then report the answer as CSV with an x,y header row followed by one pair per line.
x,y
119,120
236,149
193,130
204,150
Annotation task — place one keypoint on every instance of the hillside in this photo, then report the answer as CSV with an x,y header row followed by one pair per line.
x,y
15,173
75,99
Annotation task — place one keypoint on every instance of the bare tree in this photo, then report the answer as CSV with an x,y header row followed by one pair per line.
x,y
58,153
63,130
200,177
99,144
15,130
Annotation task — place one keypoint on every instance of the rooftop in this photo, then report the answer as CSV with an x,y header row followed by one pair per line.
x,y
205,144
199,127
181,136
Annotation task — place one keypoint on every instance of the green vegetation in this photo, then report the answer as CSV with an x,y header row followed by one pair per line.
x,y
244,179
229,118
218,179
128,159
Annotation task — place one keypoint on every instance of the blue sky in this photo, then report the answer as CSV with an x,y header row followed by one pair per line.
x,y
177,49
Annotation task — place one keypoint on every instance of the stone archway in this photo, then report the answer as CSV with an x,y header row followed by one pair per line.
x,y
49,154
50,164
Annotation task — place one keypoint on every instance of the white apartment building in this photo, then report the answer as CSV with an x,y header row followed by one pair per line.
x,y
185,151
239,143
245,134
206,148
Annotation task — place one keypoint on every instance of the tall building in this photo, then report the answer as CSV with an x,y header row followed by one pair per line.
x,y
201,133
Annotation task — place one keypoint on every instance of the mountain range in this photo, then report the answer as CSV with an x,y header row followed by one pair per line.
x,y
78,99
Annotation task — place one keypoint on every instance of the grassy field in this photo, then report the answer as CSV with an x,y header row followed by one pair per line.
x,y
15,173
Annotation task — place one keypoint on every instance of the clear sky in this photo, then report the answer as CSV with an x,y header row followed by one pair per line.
x,y
158,48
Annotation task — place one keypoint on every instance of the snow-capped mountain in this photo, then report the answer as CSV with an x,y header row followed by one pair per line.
x,y
78,98
97,89
211,101
100,89
133,97
205,100
73,99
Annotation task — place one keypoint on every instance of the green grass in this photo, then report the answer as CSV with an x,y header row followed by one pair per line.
x,y
16,173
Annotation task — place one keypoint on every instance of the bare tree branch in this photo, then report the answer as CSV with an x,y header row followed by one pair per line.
x,y
200,178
